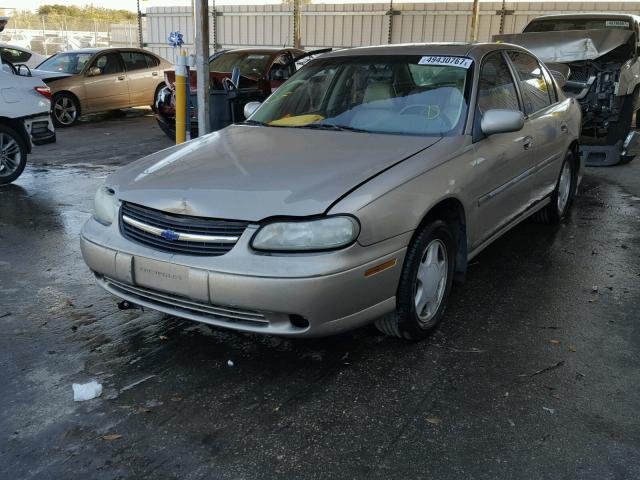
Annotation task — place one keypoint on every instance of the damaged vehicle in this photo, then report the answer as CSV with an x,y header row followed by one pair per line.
x,y
262,71
356,193
594,57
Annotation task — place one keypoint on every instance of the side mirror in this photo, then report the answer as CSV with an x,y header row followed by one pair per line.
x,y
94,72
501,121
249,108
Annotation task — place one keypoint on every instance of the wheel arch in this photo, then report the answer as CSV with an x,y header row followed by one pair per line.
x,y
71,94
451,210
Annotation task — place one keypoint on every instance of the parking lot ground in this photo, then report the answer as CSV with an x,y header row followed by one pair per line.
x,y
533,374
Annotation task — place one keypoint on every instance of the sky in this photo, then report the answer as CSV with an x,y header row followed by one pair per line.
x,y
131,4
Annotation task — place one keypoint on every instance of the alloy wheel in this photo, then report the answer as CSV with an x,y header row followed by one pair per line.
x,y
65,110
10,155
431,280
564,187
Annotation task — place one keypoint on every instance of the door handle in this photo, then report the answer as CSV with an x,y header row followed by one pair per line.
x,y
155,74
527,142
564,128
121,77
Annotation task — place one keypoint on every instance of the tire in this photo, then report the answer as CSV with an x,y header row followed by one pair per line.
x,y
64,110
13,154
155,98
562,196
619,129
432,241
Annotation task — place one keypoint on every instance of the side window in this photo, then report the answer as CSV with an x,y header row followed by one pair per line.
x,y
134,60
108,63
496,88
534,87
12,55
151,61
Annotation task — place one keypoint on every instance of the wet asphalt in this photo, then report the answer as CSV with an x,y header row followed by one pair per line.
x,y
533,374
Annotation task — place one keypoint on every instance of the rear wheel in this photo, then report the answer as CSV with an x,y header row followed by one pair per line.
x,y
562,196
64,110
13,154
425,284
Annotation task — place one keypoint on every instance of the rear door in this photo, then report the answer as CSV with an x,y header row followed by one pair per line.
x,y
502,163
545,123
109,89
143,76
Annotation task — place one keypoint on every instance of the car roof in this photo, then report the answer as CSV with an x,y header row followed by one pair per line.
x,y
108,49
565,16
457,49
17,47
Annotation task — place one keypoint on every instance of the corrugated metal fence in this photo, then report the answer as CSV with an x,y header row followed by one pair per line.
x,y
350,25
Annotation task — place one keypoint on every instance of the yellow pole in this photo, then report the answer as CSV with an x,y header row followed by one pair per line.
x,y
182,83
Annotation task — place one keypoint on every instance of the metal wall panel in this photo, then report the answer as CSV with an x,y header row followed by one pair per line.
x,y
351,25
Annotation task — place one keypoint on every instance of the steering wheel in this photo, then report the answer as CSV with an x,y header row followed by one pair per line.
x,y
432,113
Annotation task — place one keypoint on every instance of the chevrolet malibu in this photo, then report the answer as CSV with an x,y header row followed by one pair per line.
x,y
358,192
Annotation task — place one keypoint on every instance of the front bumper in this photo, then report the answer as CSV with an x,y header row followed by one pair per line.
x,y
303,295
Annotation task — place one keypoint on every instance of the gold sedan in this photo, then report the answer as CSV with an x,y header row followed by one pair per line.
x,y
97,80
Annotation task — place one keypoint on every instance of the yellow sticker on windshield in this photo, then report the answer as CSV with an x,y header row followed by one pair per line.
x,y
296,121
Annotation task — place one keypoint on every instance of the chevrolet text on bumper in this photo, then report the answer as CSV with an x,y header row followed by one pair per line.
x,y
357,200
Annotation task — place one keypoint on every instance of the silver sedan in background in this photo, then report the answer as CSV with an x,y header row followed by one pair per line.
x,y
358,192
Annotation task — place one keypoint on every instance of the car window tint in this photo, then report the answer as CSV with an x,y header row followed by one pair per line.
x,y
535,91
151,61
12,55
496,87
108,64
134,60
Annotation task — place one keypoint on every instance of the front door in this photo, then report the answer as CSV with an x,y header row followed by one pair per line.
x,y
544,116
502,162
106,83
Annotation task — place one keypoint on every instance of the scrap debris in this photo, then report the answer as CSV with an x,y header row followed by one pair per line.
x,y
543,370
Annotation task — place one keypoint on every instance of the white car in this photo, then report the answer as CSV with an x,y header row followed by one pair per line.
x,y
24,120
18,55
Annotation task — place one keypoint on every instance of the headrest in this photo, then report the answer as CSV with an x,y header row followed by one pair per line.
x,y
380,93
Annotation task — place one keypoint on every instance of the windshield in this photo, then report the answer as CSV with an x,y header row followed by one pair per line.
x,y
561,25
409,94
250,64
66,63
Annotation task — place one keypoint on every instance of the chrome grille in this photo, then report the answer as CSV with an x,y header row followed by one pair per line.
x,y
176,302
183,234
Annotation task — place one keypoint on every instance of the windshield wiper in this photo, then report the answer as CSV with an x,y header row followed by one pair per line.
x,y
331,126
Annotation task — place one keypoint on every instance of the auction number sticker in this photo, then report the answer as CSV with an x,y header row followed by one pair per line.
x,y
616,23
461,62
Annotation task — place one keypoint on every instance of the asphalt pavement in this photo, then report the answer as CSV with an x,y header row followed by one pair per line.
x,y
533,374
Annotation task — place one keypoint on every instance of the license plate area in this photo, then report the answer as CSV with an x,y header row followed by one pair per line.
x,y
163,276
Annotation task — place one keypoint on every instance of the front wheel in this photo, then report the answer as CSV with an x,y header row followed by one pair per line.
x,y
13,154
425,284
64,110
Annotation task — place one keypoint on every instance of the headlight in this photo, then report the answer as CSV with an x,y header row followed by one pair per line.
x,y
105,206
323,234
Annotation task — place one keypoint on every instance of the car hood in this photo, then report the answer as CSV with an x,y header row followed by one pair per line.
x,y
45,75
251,173
569,46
